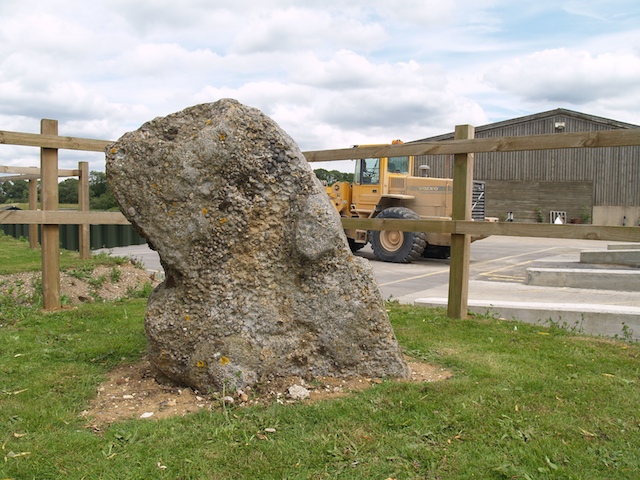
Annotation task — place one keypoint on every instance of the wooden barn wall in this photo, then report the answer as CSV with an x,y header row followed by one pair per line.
x,y
613,172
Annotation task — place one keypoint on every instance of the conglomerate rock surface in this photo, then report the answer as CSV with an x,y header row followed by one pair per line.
x,y
260,281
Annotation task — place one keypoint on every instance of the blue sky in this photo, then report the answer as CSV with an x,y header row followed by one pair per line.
x,y
331,73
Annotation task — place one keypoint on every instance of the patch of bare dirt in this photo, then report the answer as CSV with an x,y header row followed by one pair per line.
x,y
131,391
102,283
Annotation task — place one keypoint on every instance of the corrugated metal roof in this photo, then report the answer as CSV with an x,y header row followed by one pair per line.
x,y
608,123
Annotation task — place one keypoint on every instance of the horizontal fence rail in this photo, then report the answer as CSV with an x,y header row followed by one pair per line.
x,y
607,138
53,141
35,171
61,217
463,227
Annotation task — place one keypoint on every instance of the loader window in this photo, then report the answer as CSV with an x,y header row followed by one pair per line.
x,y
370,171
398,165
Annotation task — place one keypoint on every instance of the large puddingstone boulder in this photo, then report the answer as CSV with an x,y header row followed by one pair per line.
x,y
260,281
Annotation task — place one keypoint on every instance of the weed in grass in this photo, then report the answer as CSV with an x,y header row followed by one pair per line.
x,y
36,298
15,292
487,315
627,333
390,302
136,263
106,258
81,273
97,282
609,458
120,441
144,292
344,450
114,274
576,327
65,300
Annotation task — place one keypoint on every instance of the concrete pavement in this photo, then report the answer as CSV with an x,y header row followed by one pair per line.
x,y
140,253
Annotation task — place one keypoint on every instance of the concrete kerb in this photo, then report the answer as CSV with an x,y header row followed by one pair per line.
x,y
606,320
599,279
626,257
623,246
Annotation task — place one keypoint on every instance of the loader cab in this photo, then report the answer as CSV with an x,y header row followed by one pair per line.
x,y
371,181
399,165
366,189
368,170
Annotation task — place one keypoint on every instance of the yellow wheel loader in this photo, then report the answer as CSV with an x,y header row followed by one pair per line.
x,y
386,188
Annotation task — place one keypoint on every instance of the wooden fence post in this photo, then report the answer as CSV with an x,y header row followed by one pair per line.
x,y
84,245
461,244
50,233
33,205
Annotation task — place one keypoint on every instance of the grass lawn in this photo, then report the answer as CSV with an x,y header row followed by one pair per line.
x,y
524,402
16,256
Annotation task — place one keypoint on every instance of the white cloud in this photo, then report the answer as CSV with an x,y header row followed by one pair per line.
x,y
562,75
348,95
345,70
296,29
332,74
161,59
426,13
148,16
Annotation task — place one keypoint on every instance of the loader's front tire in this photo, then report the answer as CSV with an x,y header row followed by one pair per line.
x,y
396,246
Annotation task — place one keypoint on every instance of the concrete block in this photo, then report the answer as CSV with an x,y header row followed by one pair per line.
x,y
623,246
607,320
629,257
598,279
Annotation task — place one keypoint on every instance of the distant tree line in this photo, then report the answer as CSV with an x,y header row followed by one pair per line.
x,y
100,196
14,192
333,176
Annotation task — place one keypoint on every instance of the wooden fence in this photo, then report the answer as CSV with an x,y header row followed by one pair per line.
x,y
32,174
460,226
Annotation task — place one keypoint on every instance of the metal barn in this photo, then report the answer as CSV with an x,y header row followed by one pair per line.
x,y
598,185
